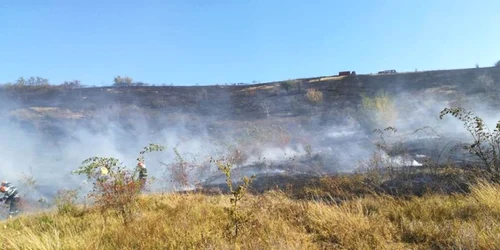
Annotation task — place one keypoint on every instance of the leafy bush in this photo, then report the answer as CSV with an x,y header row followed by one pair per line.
x,y
486,143
115,187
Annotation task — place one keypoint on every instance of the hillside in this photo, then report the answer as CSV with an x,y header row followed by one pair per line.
x,y
341,97
271,127
341,162
227,108
242,101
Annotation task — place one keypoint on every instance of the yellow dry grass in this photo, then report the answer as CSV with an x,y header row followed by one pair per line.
x,y
329,78
263,87
196,221
36,113
314,96
381,108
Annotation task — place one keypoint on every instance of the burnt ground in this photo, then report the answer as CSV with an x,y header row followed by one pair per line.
x,y
231,108
239,103
227,110
339,187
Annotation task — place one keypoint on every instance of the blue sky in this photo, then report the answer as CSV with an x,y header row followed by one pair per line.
x,y
186,42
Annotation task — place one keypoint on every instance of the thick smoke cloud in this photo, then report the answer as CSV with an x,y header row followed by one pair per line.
x,y
343,143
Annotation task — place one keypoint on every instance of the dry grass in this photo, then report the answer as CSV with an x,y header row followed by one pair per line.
x,y
314,96
381,108
329,78
37,113
263,87
196,221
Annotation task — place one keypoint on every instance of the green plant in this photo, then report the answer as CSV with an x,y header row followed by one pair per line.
x,y
486,143
115,188
150,148
236,216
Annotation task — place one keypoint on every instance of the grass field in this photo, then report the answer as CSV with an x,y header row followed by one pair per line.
x,y
273,220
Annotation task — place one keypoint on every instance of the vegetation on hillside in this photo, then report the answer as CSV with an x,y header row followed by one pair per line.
x,y
116,188
486,142
314,96
382,207
379,110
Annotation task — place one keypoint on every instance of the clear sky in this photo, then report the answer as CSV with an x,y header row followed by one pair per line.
x,y
186,42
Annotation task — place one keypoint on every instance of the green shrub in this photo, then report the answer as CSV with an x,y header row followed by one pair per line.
x,y
116,188
486,143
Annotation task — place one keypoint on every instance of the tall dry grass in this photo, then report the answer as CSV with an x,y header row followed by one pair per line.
x,y
314,96
380,109
274,221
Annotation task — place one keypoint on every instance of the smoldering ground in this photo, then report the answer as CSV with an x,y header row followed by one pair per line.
x,y
343,143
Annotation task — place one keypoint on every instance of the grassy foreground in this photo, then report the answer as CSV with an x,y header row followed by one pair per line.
x,y
273,221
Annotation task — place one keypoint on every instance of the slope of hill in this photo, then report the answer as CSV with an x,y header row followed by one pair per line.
x,y
270,124
244,101
290,134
